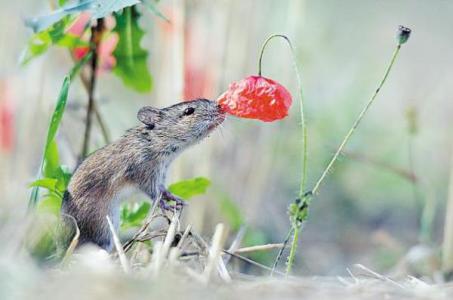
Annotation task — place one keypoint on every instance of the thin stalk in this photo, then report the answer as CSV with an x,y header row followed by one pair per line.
x,y
403,36
104,131
96,34
280,253
304,154
357,122
292,253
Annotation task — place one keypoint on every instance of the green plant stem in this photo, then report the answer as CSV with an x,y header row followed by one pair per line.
x,y
356,123
292,252
96,35
297,227
304,154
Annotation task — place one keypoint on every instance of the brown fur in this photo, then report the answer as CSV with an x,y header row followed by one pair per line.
x,y
139,159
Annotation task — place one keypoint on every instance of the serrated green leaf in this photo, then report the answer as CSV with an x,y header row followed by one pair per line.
x,y
131,59
186,189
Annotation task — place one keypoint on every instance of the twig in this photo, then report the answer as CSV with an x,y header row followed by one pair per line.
x,y
280,253
258,248
184,236
96,35
118,247
169,237
214,252
252,262
379,276
236,243
127,246
97,113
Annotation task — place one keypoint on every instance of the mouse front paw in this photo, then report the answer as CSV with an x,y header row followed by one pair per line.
x,y
166,199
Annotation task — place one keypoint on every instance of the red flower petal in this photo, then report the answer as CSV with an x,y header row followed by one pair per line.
x,y
256,97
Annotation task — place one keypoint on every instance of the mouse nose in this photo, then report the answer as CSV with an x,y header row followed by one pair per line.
x,y
220,109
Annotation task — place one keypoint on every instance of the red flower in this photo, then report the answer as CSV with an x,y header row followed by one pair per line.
x,y
256,97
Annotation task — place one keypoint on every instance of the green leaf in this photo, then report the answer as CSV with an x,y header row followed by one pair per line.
x,y
103,8
64,176
50,204
48,183
61,104
40,23
186,189
40,42
49,161
97,9
131,59
133,215
231,212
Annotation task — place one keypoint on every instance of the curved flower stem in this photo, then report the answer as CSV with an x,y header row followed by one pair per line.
x,y
301,103
294,229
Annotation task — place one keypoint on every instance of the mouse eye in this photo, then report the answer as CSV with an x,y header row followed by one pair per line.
x,y
188,111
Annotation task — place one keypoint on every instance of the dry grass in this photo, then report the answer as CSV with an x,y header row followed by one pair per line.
x,y
182,265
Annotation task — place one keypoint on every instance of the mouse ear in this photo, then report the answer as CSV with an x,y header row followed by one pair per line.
x,y
148,115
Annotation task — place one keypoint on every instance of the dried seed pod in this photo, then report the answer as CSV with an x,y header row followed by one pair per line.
x,y
403,34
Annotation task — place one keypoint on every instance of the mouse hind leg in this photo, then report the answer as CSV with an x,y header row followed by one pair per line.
x,y
98,234
92,223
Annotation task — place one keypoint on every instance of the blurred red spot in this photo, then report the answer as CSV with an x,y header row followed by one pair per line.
x,y
6,119
106,60
80,52
256,97
79,25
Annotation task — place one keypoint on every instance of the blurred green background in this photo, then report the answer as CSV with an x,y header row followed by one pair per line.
x,y
370,209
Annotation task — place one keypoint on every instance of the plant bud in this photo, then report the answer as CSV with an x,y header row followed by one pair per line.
x,y
403,34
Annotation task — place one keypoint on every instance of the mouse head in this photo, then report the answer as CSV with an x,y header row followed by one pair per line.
x,y
184,123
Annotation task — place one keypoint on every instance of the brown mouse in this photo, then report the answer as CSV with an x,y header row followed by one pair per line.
x,y
138,160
